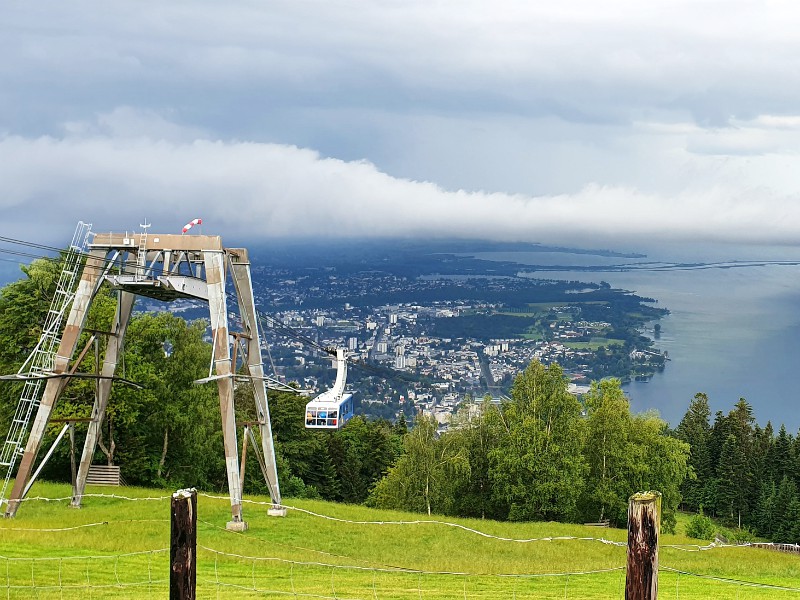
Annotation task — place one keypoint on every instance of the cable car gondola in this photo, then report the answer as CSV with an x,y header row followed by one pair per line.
x,y
334,407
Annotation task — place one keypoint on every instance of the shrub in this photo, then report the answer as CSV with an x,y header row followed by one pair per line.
x,y
740,536
700,527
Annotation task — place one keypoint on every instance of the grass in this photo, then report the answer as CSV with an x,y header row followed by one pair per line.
x,y
305,555
595,343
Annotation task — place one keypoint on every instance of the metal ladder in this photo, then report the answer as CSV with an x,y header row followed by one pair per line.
x,y
42,359
141,255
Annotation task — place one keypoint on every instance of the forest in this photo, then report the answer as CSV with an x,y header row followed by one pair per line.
x,y
742,473
543,455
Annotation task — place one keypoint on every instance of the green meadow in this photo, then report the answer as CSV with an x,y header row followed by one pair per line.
x,y
119,548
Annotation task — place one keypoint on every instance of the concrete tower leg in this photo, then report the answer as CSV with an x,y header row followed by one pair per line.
x,y
115,342
240,267
215,278
91,277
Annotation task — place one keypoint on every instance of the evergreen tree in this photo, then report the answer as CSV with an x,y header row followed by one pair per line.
x,y
719,433
796,459
763,450
401,427
782,457
792,532
694,429
765,509
732,481
741,421
763,443
786,511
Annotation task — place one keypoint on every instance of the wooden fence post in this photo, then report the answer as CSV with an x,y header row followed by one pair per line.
x,y
183,545
644,525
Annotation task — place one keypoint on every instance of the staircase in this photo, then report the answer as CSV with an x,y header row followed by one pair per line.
x,y
41,360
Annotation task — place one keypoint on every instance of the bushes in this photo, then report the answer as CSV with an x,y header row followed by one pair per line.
x,y
700,527
739,535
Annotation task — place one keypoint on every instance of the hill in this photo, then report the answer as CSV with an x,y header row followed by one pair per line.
x,y
119,547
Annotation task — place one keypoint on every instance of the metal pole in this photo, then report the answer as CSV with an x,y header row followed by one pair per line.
x,y
217,304
72,456
183,545
242,281
644,524
45,459
244,455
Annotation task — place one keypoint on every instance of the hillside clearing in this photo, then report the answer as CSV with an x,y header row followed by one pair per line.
x,y
308,554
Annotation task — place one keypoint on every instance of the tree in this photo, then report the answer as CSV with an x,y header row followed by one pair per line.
x,y
694,429
23,305
169,432
763,453
629,453
663,466
719,433
361,452
786,511
23,308
782,457
765,509
732,476
796,461
608,451
538,469
421,478
479,434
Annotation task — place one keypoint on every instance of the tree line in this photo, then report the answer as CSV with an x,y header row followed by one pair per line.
x,y
544,455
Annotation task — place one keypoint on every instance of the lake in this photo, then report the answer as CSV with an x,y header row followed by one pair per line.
x,y
733,329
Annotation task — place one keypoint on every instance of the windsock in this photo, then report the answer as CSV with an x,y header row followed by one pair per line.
x,y
191,224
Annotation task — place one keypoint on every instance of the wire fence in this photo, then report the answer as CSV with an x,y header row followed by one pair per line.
x,y
258,568
143,573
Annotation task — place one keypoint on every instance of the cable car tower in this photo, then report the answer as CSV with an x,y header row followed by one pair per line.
x,y
163,267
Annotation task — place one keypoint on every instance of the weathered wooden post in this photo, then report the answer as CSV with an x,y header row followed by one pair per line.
x,y
644,525
183,545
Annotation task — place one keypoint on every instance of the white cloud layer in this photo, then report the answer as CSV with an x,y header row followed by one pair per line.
x,y
572,122
245,190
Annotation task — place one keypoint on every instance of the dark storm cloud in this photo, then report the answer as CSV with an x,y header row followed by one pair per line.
x,y
508,120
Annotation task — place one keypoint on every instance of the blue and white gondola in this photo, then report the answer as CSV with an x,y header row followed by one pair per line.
x,y
334,407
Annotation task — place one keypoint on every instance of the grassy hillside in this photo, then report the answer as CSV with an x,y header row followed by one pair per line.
x,y
119,548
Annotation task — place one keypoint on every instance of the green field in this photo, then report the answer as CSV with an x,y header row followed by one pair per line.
x,y
594,343
117,548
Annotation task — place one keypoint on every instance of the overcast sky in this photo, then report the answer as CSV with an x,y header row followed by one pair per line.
x,y
570,122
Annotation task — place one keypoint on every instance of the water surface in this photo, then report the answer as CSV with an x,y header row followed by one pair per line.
x,y
733,329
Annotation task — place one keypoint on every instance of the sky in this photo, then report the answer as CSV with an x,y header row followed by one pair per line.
x,y
576,122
